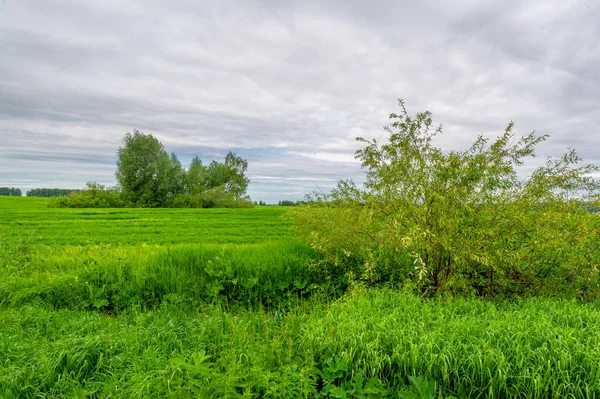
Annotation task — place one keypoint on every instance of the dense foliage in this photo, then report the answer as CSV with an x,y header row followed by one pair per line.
x,y
146,173
461,221
50,192
10,191
149,177
290,203
93,196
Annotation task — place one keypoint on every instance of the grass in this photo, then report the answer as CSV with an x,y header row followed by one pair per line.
x,y
20,216
226,305
537,348
114,279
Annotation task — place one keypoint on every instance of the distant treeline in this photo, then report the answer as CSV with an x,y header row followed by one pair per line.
x,y
281,203
50,192
290,203
10,191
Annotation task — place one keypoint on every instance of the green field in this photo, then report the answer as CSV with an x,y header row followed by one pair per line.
x,y
146,303
55,226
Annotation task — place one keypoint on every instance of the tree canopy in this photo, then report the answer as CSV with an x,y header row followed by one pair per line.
x,y
230,174
150,177
146,174
10,191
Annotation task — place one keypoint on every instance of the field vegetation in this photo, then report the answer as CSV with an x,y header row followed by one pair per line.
x,y
446,275
225,304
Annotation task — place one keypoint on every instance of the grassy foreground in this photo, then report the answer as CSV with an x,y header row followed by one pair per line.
x,y
87,310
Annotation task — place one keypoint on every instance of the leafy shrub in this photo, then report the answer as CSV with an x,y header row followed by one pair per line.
x,y
460,221
93,196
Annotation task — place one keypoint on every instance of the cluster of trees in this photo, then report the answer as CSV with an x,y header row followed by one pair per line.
x,y
281,203
10,191
148,176
290,203
49,192
450,222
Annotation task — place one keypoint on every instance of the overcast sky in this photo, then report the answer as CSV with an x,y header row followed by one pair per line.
x,y
286,85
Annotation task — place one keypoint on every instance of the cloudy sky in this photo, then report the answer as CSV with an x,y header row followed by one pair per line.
x,y
287,85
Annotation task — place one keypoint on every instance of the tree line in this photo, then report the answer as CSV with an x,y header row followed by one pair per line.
x,y
10,191
148,176
281,203
50,192
291,203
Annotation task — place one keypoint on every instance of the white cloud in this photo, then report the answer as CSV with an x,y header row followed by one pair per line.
x,y
289,85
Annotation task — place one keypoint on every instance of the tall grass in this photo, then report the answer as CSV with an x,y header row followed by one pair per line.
x,y
535,348
115,279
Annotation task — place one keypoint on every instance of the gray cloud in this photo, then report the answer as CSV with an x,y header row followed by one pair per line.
x,y
287,85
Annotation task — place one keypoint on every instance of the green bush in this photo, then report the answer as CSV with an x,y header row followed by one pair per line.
x,y
461,221
98,196
93,196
